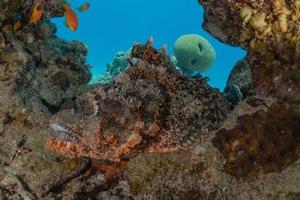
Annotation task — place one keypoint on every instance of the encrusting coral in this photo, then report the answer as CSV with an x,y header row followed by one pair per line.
x,y
40,74
265,141
148,108
269,31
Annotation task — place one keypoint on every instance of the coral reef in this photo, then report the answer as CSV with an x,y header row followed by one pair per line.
x,y
40,74
148,108
22,9
239,84
118,66
264,137
194,53
269,31
267,140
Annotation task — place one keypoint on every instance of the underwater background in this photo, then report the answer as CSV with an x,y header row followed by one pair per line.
x,y
152,133
106,29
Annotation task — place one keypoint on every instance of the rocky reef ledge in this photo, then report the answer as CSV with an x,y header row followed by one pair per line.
x,y
151,133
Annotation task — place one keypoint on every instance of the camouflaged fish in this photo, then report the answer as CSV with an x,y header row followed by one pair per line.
x,y
148,108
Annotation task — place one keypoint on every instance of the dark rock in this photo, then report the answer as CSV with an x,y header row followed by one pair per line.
x,y
262,142
239,84
40,75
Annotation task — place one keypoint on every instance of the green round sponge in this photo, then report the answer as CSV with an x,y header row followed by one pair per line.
x,y
194,53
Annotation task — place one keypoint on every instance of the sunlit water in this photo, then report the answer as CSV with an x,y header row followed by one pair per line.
x,y
112,26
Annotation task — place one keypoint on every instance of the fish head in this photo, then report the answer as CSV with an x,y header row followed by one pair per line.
x,y
102,128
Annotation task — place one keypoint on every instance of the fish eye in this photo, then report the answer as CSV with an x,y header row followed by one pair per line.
x,y
97,97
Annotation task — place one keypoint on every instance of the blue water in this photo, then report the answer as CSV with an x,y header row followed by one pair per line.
x,y
112,26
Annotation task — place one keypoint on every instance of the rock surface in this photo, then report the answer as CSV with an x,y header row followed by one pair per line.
x,y
269,31
43,81
264,141
40,74
239,84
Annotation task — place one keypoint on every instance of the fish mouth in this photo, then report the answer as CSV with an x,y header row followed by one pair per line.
x,y
63,133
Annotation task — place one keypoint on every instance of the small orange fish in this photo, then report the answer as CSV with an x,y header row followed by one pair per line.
x,y
36,14
71,18
17,25
5,28
84,7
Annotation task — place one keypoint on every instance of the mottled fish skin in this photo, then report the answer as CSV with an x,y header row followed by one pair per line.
x,y
148,108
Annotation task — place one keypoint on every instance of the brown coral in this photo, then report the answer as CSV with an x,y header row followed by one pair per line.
x,y
148,108
269,31
262,142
